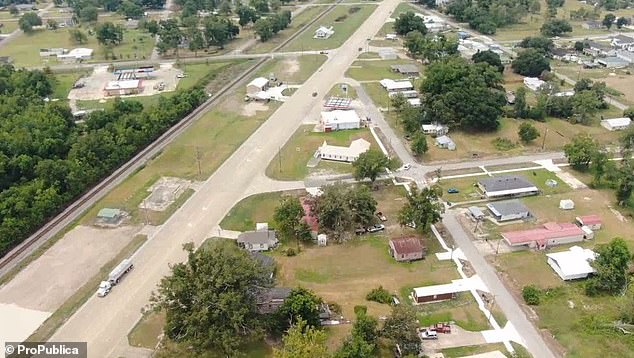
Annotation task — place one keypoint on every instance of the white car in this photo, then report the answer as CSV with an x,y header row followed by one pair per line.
x,y
104,288
406,166
376,228
181,75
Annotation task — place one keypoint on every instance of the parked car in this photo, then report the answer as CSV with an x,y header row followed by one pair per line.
x,y
181,75
427,334
381,216
406,166
453,190
411,225
376,228
395,300
360,231
443,327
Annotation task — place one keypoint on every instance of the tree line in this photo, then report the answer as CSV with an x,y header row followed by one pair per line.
x,y
47,160
487,16
88,10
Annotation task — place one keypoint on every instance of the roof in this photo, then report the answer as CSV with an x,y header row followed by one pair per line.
x,y
612,60
504,183
396,85
338,102
559,51
406,245
475,211
549,231
257,237
125,84
274,293
264,260
623,39
324,29
436,290
533,82
507,207
575,261
592,219
258,82
357,147
339,116
433,127
78,53
599,45
407,93
443,139
617,122
405,68
108,213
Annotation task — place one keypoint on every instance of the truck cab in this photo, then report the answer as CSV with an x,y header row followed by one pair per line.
x,y
104,288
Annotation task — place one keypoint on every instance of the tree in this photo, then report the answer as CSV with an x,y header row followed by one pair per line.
x,y
430,49
264,28
626,308
538,42
355,347
289,216
28,20
370,164
585,105
579,46
275,5
261,6
401,328
419,144
527,132
362,341
490,57
301,304
232,295
88,14
520,107
77,36
196,40
555,27
531,63
13,10
219,30
611,265
398,101
303,340
622,21
625,181
599,166
131,9
52,24
531,295
408,22
627,139
246,15
580,151
460,94
109,34
380,295
609,20
423,208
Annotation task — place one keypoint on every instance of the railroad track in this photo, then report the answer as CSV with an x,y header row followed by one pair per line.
x,y
76,208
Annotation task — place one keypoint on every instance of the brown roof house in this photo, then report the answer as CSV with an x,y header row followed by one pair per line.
x,y
407,248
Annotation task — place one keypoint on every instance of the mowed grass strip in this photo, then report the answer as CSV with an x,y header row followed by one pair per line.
x,y
254,209
376,70
344,21
290,163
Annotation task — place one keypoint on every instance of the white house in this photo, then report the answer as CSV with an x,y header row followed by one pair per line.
x,y
392,37
406,94
509,210
435,129
343,154
572,264
254,241
340,119
257,85
414,102
616,124
323,32
395,86
622,41
445,142
533,83
77,54
124,87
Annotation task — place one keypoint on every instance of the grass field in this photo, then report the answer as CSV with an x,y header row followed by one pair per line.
x,y
8,26
147,331
297,23
290,164
375,70
64,82
337,91
293,69
254,209
343,28
463,310
25,49
473,350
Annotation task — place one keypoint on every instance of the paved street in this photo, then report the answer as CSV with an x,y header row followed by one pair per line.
x,y
503,298
105,322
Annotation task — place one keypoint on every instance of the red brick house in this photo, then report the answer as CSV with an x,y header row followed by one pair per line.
x,y
407,248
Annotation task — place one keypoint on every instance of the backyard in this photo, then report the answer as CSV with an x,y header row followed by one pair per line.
x,y
345,19
290,164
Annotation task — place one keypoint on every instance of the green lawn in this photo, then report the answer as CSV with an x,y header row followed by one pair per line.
x,y
147,331
467,189
463,310
292,69
8,26
402,8
348,22
25,49
291,162
64,83
472,350
336,91
376,70
303,18
254,209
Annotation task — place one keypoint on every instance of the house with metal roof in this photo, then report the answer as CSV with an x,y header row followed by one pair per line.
x,y
445,142
408,248
268,300
506,186
475,212
392,85
340,119
261,240
593,221
622,41
616,124
550,234
509,210
435,129
612,62
406,69
572,264
343,154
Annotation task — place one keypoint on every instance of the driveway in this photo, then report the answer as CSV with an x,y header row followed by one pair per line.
x,y
533,341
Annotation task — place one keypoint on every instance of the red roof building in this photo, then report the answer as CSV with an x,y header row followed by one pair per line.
x,y
592,221
549,234
308,218
406,248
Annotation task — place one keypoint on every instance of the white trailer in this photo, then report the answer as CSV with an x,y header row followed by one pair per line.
x,y
124,267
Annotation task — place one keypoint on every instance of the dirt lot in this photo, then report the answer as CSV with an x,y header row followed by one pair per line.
x,y
95,83
77,257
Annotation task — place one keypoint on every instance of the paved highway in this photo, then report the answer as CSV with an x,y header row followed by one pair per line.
x,y
105,322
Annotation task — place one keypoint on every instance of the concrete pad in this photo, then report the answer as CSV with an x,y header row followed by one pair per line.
x,y
457,338
18,323
457,253
56,275
570,180
548,165
164,192
494,354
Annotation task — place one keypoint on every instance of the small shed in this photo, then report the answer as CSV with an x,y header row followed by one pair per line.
x,y
592,221
322,240
323,32
566,204
110,216
445,142
476,213
434,293
407,248
257,85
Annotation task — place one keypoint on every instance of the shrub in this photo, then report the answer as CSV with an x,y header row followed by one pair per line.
x,y
532,295
291,252
341,18
379,295
503,144
359,309
353,9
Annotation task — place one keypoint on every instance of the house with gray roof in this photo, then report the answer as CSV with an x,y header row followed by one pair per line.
x,y
262,240
509,210
612,62
445,142
506,186
406,69
269,300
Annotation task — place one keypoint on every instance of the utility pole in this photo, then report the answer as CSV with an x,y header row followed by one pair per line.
x,y
544,140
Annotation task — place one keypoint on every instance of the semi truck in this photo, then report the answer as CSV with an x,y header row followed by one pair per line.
x,y
114,277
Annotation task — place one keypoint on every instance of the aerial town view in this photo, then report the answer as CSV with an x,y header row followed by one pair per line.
x,y
317,178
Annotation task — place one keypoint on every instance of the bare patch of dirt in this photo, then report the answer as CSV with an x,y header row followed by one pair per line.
x,y
250,109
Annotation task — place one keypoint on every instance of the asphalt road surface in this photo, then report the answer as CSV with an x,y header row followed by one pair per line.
x,y
534,341
105,322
